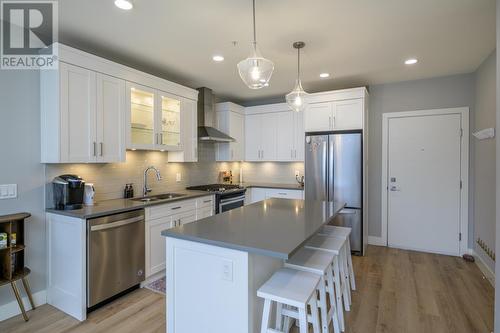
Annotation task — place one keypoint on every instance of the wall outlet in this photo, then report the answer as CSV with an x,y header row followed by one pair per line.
x,y
297,173
178,177
8,191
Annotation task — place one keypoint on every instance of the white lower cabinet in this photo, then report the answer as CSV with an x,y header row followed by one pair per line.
x,y
162,217
256,194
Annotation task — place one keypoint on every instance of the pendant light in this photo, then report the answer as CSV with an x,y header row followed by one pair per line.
x,y
297,98
255,70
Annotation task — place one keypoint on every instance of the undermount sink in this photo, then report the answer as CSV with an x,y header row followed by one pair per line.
x,y
158,197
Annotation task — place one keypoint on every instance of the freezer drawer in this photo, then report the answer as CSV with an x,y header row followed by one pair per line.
x,y
352,218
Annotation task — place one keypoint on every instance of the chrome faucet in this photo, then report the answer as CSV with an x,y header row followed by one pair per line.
x,y
146,189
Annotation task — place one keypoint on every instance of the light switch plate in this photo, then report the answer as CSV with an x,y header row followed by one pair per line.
x,y
178,177
8,191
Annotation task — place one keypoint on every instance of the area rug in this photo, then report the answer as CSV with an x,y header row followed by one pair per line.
x,y
158,286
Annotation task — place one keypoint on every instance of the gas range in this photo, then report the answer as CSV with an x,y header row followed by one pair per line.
x,y
227,196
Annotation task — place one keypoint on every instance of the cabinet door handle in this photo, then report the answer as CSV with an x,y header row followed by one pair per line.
x,y
95,149
281,193
175,208
207,201
102,148
330,121
295,153
333,122
291,153
262,154
161,138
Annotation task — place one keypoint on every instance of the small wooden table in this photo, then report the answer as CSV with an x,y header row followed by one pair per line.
x,y
12,266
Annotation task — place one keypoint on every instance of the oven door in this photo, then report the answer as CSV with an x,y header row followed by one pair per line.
x,y
228,203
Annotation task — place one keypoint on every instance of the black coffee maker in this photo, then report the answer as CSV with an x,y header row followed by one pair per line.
x,y
68,192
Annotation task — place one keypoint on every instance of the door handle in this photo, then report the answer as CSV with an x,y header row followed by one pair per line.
x,y
102,148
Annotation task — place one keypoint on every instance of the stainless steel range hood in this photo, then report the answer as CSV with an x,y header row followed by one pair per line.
x,y
206,118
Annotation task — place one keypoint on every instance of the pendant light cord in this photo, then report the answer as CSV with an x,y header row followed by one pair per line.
x,y
254,29
298,63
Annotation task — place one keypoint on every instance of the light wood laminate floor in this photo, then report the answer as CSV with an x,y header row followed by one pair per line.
x,y
398,291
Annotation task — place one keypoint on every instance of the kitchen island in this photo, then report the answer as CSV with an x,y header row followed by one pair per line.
x,y
216,265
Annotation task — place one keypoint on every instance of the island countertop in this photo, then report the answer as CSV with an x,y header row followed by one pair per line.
x,y
273,227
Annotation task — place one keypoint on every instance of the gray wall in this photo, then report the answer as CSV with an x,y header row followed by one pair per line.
x,y
497,245
442,92
484,159
20,164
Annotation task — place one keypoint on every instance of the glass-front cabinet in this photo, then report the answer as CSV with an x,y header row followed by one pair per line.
x,y
170,121
154,118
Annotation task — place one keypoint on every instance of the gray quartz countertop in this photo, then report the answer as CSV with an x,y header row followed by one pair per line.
x,y
273,227
108,207
294,186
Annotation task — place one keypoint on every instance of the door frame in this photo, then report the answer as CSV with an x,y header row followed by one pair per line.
x,y
464,169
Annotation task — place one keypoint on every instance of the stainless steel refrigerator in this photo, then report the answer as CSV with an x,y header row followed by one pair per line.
x,y
334,172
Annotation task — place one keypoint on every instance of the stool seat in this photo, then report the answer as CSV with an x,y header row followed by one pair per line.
x,y
320,242
290,286
336,231
314,261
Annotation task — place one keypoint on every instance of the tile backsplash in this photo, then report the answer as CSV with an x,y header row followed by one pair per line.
x,y
109,179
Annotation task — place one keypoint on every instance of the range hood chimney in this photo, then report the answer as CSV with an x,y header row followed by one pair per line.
x,y
206,118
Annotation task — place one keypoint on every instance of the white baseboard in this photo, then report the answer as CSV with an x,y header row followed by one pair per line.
x,y
378,241
11,309
487,272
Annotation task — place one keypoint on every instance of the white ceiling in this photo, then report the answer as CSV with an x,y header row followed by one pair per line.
x,y
360,42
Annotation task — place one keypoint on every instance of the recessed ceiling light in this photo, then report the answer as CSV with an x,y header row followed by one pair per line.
x,y
124,4
324,75
411,61
218,58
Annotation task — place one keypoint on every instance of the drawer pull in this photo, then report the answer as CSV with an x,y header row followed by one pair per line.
x,y
282,193
178,207
207,201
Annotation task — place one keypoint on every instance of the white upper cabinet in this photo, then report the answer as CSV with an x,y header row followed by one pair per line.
x,y
82,116
110,118
189,133
231,120
93,109
274,133
336,110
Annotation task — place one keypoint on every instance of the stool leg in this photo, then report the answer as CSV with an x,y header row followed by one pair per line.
x,y
19,300
313,303
338,292
351,268
266,313
331,294
279,317
346,289
347,277
322,305
302,319
28,292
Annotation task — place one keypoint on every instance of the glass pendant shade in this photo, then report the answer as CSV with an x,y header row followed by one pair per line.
x,y
297,98
256,71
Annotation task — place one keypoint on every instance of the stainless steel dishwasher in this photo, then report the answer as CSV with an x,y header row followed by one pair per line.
x,y
115,255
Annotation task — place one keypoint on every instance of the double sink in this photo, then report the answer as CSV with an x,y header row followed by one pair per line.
x,y
159,197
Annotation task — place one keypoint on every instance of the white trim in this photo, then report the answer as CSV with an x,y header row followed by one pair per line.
x,y
487,272
464,200
12,309
230,107
378,241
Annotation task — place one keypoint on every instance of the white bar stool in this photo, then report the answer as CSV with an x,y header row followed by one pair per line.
x,y
293,288
319,262
341,282
342,232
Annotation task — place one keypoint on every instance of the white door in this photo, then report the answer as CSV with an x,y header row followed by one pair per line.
x,y
155,244
285,147
299,134
318,117
423,180
237,131
253,136
268,138
348,114
110,119
78,114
